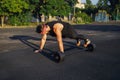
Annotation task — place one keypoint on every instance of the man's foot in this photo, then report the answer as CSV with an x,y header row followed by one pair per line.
x,y
87,42
78,43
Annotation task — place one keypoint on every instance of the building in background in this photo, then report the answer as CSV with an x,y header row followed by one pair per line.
x,y
80,5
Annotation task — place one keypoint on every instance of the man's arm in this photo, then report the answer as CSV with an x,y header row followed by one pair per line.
x,y
59,39
58,31
43,40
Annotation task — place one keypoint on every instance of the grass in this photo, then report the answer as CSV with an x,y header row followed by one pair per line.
x,y
24,26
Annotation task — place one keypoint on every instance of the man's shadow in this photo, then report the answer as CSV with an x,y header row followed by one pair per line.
x,y
25,40
46,52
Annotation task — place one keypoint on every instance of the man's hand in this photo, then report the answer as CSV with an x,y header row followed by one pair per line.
x,y
38,51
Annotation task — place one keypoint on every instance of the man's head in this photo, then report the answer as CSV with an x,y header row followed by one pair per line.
x,y
43,29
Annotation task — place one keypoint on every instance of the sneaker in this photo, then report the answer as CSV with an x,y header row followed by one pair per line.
x,y
78,43
87,42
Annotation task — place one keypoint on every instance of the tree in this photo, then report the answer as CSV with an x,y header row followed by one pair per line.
x,y
82,17
72,5
103,5
111,6
89,8
88,2
55,7
113,3
115,9
8,7
34,6
71,2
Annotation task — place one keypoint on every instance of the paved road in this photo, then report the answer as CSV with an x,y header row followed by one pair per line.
x,y
18,62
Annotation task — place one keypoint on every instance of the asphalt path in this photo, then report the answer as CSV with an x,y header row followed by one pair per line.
x,y
18,61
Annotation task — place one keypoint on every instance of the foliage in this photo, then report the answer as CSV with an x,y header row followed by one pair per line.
x,y
103,5
55,7
34,6
111,6
17,10
88,2
10,7
116,13
71,2
19,19
82,17
90,9
113,3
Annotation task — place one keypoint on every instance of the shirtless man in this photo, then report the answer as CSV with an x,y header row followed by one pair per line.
x,y
59,30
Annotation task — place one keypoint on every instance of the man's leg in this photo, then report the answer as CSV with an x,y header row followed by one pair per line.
x,y
81,37
71,33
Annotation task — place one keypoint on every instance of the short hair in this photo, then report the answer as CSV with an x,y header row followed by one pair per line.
x,y
39,29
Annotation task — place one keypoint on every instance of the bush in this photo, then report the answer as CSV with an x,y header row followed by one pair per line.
x,y
82,18
18,20
13,20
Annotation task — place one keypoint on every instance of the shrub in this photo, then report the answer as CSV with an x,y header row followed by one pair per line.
x,y
82,18
20,19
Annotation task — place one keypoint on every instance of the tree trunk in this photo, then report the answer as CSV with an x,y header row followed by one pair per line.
x,y
2,21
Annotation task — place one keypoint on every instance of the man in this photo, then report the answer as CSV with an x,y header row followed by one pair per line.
x,y
59,30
